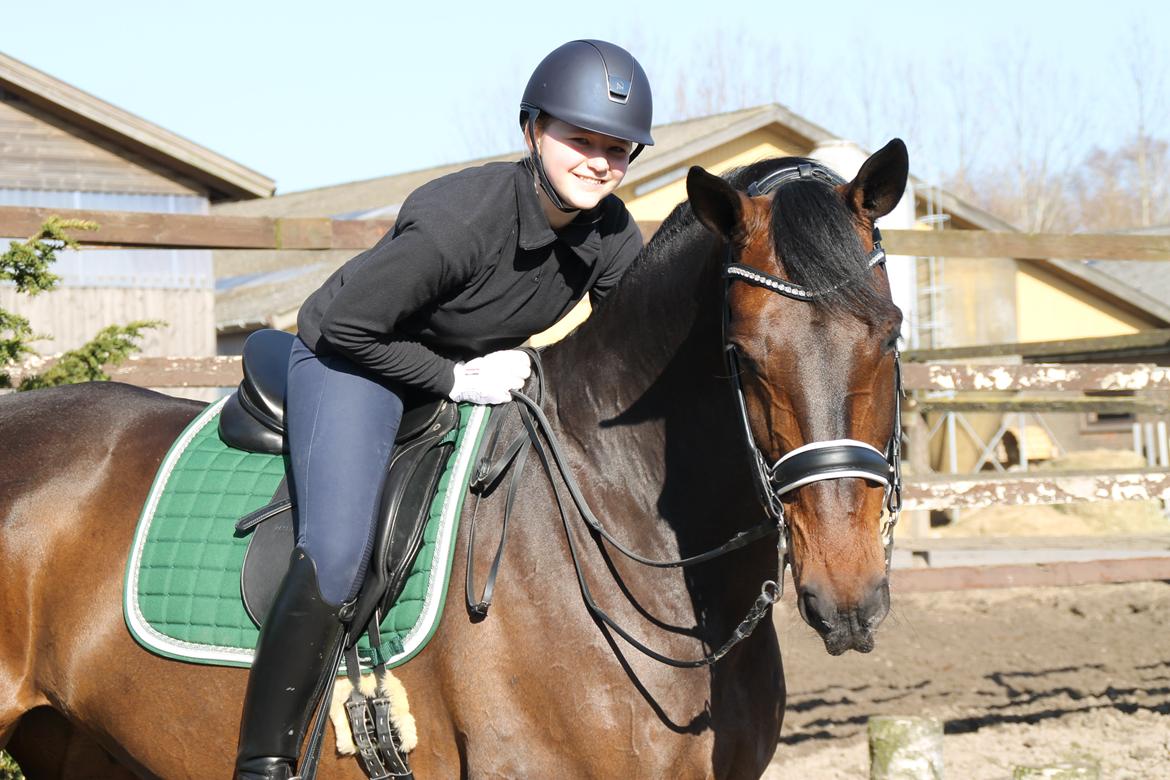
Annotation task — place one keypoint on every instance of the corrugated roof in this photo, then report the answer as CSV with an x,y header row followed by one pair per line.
x,y
224,177
264,301
355,196
1149,279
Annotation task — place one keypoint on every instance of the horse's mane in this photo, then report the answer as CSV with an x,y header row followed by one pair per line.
x,y
813,232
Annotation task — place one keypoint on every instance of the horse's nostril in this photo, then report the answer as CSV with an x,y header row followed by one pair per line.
x,y
873,608
814,609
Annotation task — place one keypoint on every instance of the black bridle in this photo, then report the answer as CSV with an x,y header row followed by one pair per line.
x,y
818,460
809,463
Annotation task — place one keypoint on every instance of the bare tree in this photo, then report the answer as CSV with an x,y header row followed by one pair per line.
x,y
1146,66
1123,188
1003,128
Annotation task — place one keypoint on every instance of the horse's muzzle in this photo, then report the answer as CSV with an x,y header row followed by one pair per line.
x,y
845,627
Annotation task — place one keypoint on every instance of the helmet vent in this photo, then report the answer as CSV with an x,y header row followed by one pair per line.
x,y
619,89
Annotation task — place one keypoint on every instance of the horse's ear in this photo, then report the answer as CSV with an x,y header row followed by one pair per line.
x,y
716,203
881,181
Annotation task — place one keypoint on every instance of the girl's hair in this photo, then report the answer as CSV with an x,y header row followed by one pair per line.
x,y
542,121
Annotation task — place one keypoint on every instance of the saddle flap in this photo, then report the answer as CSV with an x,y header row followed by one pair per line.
x,y
409,485
265,563
413,478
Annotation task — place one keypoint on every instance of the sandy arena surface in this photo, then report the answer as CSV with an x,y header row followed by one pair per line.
x,y
1018,677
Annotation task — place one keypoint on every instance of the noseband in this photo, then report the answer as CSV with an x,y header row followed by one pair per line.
x,y
818,460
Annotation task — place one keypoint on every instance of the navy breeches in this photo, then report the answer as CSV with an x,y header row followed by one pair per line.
x,y
341,423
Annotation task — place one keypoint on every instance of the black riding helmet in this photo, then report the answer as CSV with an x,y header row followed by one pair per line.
x,y
594,85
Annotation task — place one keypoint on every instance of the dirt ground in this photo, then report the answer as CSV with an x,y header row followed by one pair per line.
x,y
1018,677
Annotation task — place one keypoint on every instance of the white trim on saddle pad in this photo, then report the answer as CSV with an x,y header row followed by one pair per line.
x,y
169,646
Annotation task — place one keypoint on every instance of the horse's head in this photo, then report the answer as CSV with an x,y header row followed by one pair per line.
x,y
814,332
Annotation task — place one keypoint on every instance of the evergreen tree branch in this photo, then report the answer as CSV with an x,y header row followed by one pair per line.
x,y
111,346
15,333
27,262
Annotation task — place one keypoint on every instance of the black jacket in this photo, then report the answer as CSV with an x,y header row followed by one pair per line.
x,y
470,267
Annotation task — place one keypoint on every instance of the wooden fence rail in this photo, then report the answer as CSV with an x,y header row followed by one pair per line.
x,y
1036,489
193,231
1037,376
1045,404
225,371
121,228
1154,341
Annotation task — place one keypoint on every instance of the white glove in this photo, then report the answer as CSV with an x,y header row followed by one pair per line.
x,y
491,378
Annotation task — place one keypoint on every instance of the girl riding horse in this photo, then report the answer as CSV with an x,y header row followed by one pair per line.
x,y
477,262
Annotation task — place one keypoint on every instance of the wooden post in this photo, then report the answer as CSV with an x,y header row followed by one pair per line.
x,y
905,748
918,450
1057,772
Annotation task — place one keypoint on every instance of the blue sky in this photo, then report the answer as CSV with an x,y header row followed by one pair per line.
x,y
312,94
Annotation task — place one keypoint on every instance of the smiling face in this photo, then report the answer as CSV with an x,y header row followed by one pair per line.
x,y
582,165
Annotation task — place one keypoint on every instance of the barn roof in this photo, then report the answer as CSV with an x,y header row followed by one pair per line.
x,y
224,178
1148,281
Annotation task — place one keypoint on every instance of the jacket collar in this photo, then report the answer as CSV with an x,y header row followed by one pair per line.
x,y
534,228
581,235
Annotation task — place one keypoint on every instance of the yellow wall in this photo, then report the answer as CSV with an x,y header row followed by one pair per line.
x,y
747,149
1049,308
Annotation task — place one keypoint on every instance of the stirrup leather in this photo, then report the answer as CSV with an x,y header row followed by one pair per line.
x,y
378,743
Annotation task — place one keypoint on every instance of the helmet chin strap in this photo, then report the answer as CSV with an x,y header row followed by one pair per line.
x,y
538,165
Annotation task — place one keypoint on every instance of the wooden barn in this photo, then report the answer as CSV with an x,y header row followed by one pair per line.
x,y
61,147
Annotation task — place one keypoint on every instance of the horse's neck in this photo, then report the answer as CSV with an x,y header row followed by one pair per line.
x,y
642,396
622,355
642,390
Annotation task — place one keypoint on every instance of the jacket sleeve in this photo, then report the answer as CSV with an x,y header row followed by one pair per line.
x,y
400,276
621,246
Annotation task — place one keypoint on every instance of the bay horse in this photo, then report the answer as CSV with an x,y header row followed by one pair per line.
x,y
649,420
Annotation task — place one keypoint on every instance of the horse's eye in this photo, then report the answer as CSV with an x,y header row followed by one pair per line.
x,y
746,362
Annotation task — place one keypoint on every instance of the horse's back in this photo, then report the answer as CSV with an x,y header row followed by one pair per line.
x,y
67,448
89,406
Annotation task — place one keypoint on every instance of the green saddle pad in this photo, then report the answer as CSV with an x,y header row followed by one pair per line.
x,y
182,590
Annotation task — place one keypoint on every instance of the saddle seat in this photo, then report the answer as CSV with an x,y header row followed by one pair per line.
x,y
252,419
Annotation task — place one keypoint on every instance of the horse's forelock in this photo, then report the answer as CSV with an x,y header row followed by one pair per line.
x,y
812,231
815,237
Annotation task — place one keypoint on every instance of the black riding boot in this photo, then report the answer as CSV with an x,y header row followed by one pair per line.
x,y
298,639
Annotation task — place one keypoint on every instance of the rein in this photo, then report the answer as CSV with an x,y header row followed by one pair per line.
x,y
812,462
537,428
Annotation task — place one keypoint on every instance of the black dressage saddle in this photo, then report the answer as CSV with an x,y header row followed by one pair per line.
x,y
253,420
